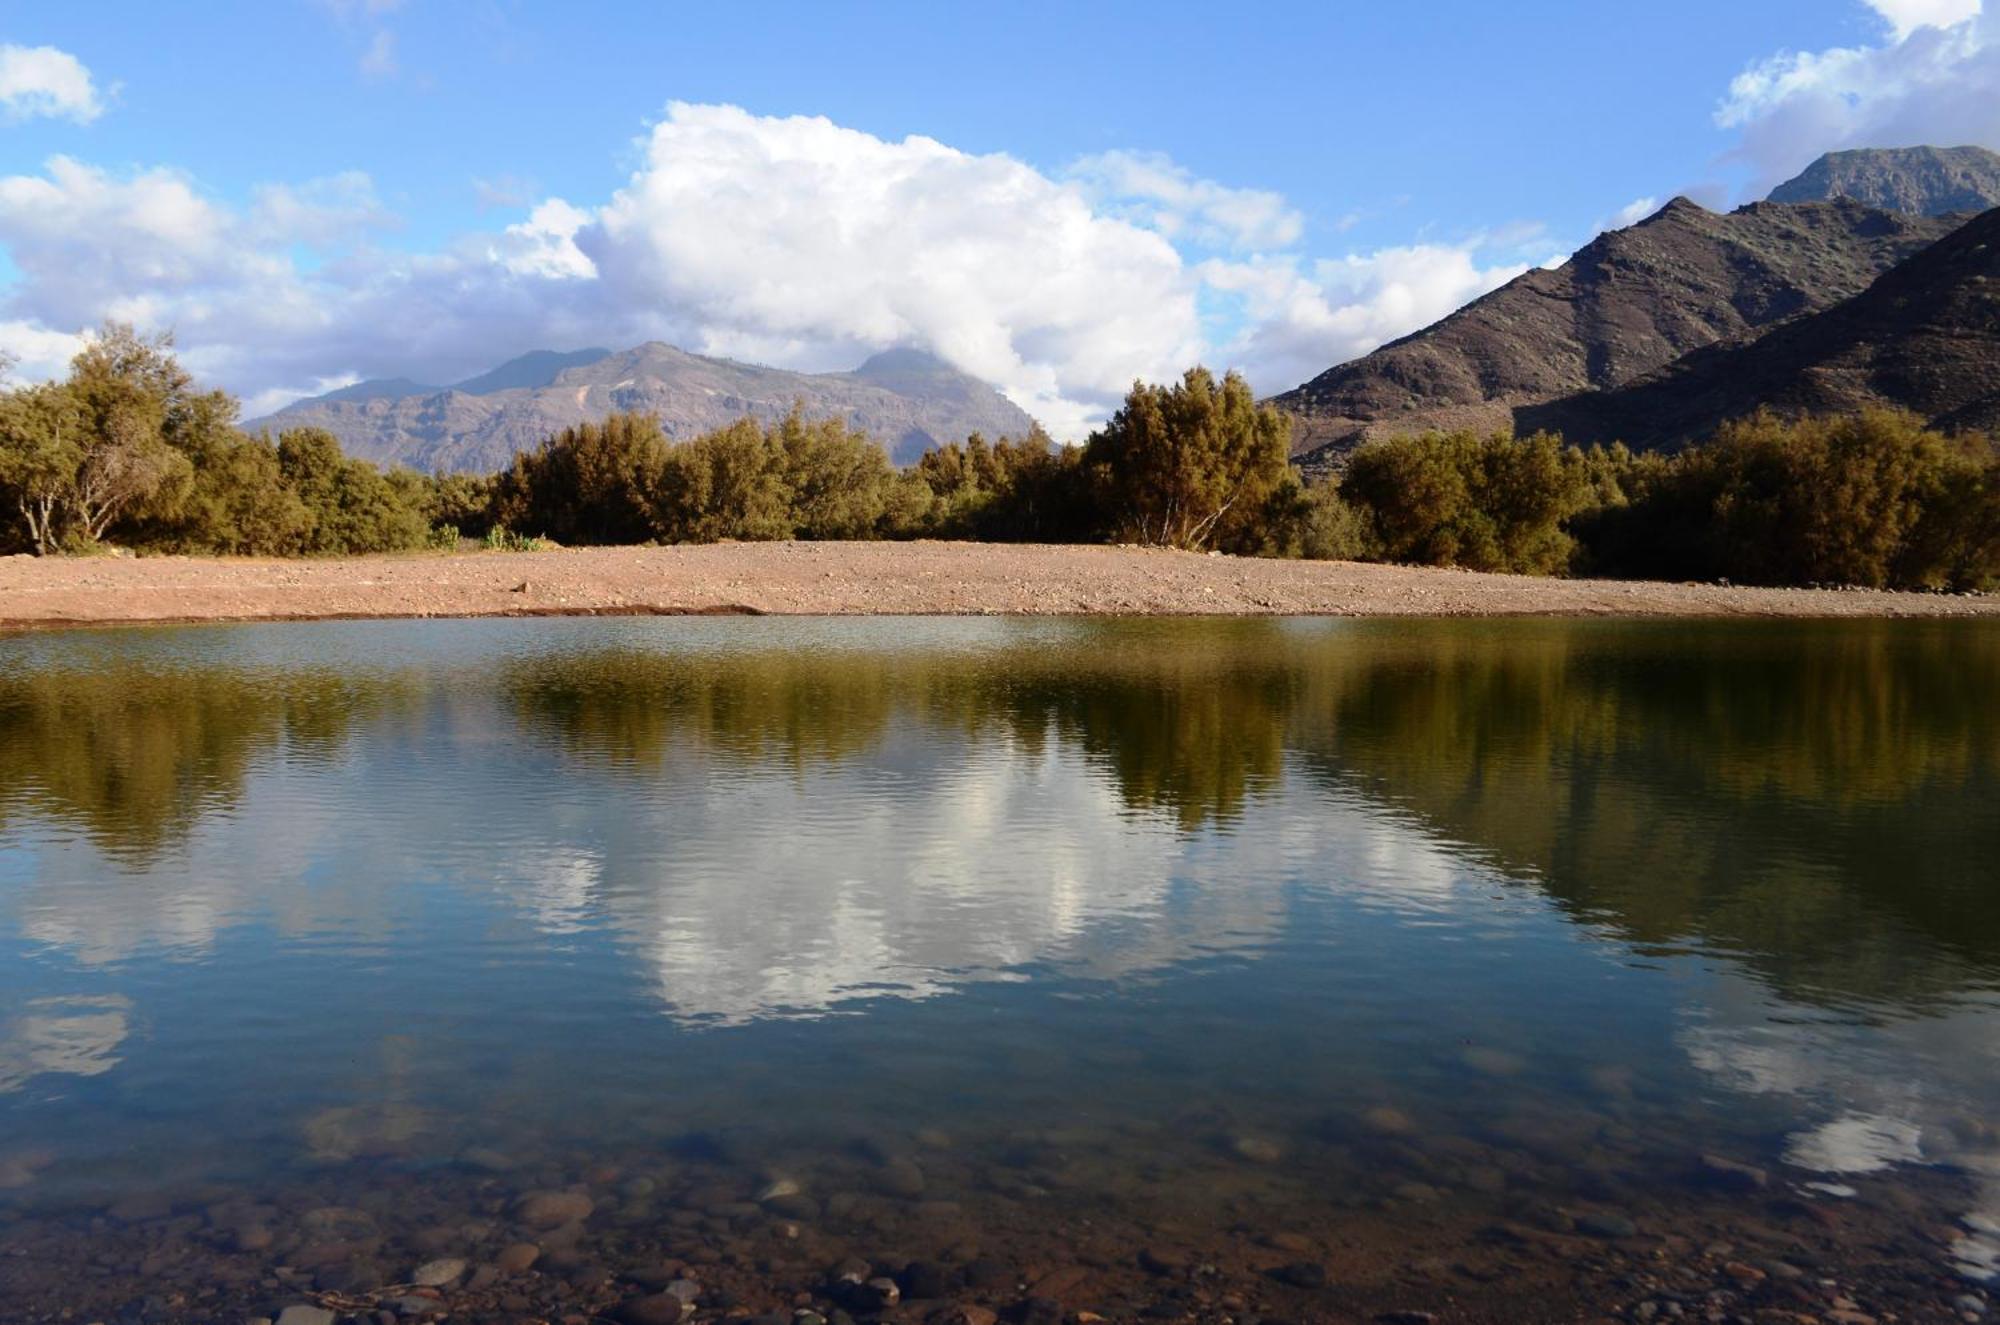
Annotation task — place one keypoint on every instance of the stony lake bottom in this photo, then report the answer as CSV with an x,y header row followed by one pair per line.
x,y
1053,969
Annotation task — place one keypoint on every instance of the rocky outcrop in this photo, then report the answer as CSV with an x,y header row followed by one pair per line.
x,y
1920,181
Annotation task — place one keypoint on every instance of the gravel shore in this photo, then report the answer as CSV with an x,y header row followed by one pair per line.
x,y
862,579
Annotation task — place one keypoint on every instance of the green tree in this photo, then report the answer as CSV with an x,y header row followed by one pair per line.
x,y
352,507
41,449
722,485
591,483
134,396
1189,465
1874,498
96,449
836,480
1490,503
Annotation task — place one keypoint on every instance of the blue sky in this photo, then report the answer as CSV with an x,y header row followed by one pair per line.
x,y
1059,197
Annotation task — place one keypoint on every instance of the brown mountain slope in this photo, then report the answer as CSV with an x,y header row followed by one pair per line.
x,y
907,400
1627,303
1925,337
1923,181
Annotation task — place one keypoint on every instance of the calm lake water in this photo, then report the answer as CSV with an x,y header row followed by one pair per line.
x,y
977,938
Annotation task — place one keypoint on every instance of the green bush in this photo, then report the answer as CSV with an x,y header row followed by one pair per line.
x,y
1329,528
591,483
500,538
1007,491
1490,503
351,506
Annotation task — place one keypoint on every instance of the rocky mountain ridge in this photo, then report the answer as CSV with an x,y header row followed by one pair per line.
x,y
1918,181
1925,338
1627,304
909,400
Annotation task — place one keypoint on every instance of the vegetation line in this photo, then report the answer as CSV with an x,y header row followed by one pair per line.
x,y
126,451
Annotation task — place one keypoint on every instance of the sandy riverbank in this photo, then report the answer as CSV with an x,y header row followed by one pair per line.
x,y
861,579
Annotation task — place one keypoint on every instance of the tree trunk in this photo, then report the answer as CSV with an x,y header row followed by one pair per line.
x,y
38,515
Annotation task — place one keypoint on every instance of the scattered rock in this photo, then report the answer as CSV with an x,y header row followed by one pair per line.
x,y
518,1258
553,1209
901,1177
251,1237
439,1273
878,1294
795,1205
962,1314
301,1314
1389,1121
1606,1225
1732,1176
1256,1149
924,1280
1302,1274
336,1223
359,1275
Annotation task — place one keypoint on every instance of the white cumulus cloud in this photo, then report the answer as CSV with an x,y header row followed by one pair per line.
x,y
1934,79
35,352
1150,187
1301,319
795,238
41,80
1632,213
791,241
1906,16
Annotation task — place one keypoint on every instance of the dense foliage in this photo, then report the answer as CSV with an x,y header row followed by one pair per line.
x,y
1192,465
125,451
1872,499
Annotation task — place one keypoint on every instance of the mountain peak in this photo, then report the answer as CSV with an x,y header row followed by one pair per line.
x,y
1918,181
1626,304
907,399
1681,205
902,362
1924,337
533,370
379,388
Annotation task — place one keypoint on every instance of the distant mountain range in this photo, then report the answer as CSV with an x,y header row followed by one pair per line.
x,y
909,399
1634,304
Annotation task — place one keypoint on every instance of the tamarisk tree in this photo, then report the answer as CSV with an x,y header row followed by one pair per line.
x,y
1191,465
79,455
